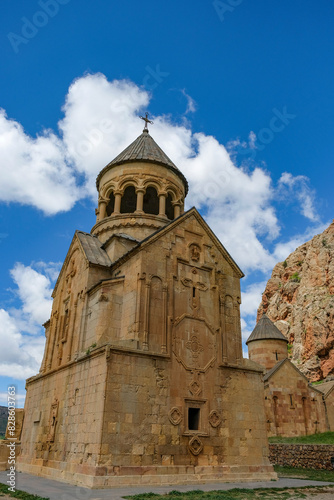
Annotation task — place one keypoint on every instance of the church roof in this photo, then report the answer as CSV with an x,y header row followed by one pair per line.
x,y
144,148
326,387
93,249
265,329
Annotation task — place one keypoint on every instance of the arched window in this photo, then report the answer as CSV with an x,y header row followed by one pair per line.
x,y
129,201
151,201
111,205
169,207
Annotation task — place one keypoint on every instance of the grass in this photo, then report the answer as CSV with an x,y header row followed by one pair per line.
x,y
234,494
18,494
321,438
311,474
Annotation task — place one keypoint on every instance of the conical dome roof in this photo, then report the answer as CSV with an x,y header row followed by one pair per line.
x,y
145,149
265,329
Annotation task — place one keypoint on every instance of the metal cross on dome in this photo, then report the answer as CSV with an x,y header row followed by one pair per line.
x,y
146,120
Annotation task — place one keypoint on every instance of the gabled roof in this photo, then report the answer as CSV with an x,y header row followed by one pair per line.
x,y
274,369
279,365
326,387
92,249
265,329
145,149
169,227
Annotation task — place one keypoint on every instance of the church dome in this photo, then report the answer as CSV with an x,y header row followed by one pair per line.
x,y
144,148
265,330
266,344
140,191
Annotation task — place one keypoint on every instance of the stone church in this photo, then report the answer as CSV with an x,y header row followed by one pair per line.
x,y
143,379
293,406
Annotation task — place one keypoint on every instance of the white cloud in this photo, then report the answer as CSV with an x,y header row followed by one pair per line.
x,y
251,298
297,188
34,291
19,399
48,184
20,355
252,140
100,119
191,103
21,335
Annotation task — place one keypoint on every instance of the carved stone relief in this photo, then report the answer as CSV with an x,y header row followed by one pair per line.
x,y
195,445
214,418
53,420
175,416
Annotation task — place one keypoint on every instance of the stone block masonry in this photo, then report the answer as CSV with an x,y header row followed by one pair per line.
x,y
305,456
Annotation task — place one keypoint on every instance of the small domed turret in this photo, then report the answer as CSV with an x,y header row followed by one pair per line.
x,y
266,344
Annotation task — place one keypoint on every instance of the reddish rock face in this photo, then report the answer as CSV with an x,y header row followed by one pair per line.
x,y
299,299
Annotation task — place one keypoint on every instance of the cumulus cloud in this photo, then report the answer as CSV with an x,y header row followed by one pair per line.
x,y
251,298
20,355
21,335
100,119
49,183
34,290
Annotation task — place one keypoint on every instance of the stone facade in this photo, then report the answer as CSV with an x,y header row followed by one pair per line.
x,y
293,406
327,390
143,380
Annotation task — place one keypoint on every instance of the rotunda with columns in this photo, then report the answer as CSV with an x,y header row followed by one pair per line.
x,y
140,190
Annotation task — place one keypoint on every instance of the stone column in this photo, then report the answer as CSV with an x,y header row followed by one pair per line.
x,y
140,199
102,209
177,209
162,204
118,197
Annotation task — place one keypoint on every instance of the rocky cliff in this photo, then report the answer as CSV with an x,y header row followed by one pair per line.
x,y
299,299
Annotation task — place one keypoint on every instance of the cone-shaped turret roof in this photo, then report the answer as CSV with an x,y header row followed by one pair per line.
x,y
144,149
265,329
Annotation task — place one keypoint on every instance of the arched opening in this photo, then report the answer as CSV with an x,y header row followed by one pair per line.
x,y
111,205
169,207
129,201
151,201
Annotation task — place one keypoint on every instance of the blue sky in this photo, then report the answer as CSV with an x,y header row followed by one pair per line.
x,y
241,95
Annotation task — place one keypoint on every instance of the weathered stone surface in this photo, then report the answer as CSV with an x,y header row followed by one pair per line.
x,y
143,380
299,299
304,456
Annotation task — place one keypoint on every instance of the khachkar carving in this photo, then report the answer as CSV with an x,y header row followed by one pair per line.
x,y
194,343
195,445
175,416
194,346
214,418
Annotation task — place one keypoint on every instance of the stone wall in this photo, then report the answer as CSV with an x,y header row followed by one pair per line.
x,y
305,456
